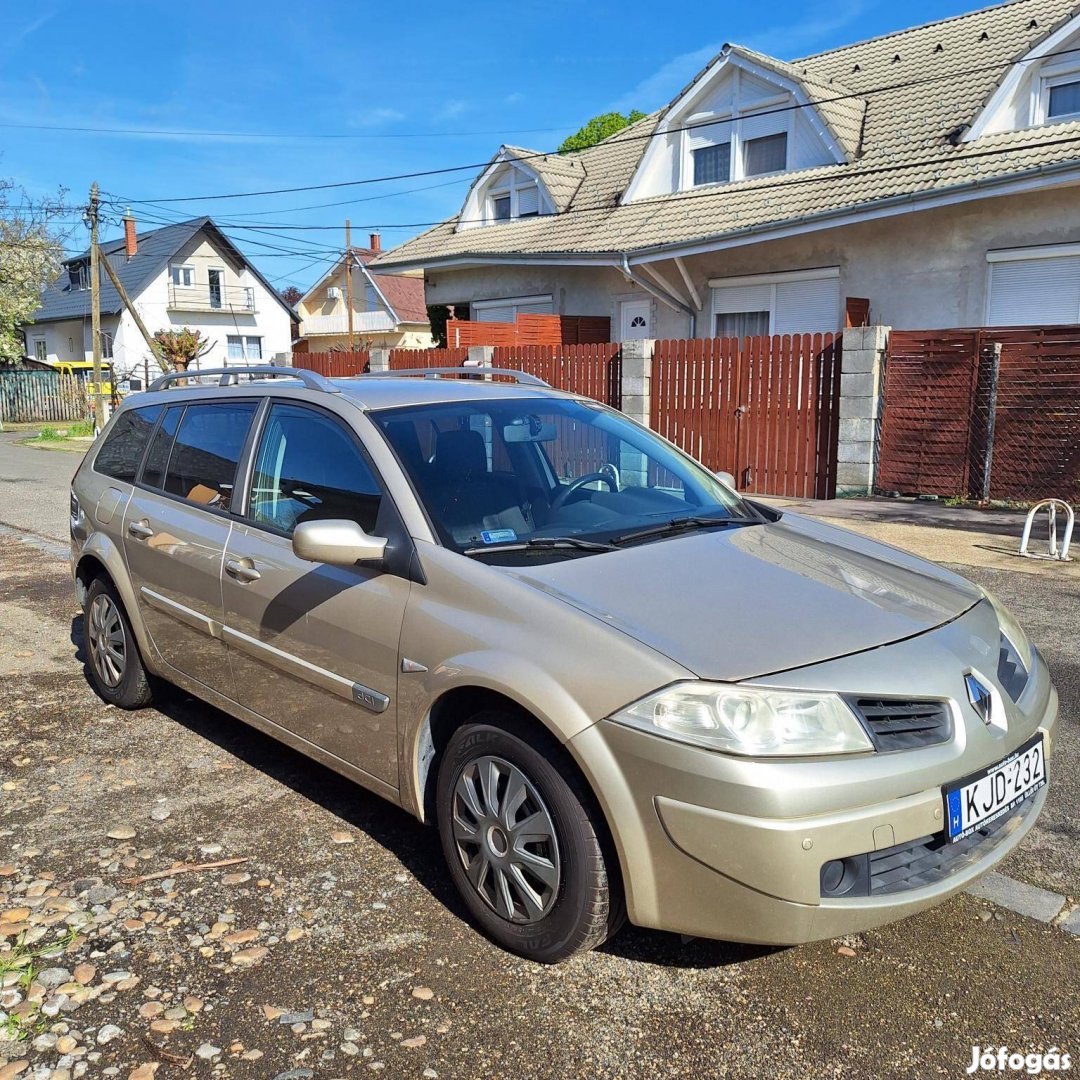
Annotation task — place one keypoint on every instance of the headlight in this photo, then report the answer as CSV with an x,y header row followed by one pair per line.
x,y
752,721
1012,631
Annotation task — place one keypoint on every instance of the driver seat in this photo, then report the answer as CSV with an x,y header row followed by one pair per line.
x,y
465,495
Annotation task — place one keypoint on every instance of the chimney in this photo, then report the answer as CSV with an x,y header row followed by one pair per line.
x,y
376,242
131,241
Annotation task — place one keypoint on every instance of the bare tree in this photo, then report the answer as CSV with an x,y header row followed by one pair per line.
x,y
181,348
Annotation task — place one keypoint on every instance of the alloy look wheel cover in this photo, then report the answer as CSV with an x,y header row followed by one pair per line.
x,y
506,841
108,650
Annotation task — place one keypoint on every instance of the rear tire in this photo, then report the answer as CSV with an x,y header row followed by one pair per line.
x,y
517,830
116,668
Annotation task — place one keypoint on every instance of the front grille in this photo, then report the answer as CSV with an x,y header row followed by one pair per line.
x,y
895,724
931,859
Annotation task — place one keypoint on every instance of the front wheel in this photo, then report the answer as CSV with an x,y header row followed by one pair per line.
x,y
116,668
520,841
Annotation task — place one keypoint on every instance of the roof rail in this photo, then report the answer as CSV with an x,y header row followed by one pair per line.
x,y
311,379
522,377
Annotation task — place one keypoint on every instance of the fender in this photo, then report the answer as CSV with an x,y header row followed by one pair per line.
x,y
106,551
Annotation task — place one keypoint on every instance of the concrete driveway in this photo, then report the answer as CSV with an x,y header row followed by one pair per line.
x,y
330,943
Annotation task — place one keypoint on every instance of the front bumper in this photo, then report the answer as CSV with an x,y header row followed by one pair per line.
x,y
721,847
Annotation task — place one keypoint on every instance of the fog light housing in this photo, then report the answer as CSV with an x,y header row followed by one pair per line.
x,y
849,876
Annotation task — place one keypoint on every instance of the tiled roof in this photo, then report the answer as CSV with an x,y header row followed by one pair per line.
x,y
561,174
917,86
61,301
404,294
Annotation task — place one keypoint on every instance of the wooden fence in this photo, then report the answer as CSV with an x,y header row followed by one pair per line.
x,y
35,396
764,409
983,413
531,330
592,370
334,365
402,359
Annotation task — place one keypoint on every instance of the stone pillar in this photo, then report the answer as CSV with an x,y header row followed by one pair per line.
x,y
637,357
481,355
860,408
378,359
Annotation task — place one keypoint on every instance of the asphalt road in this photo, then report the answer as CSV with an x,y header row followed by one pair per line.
x,y
33,487
338,947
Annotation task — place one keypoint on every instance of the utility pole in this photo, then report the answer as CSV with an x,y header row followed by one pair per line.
x,y
348,283
133,311
95,308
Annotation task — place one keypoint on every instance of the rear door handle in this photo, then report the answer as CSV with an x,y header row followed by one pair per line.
x,y
241,570
140,530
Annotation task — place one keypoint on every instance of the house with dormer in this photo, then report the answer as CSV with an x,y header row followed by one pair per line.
x,y
928,178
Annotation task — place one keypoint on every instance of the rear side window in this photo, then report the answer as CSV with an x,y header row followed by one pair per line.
x,y
205,452
123,447
309,469
158,457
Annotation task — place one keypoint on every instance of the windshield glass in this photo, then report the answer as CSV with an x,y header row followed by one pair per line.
x,y
492,474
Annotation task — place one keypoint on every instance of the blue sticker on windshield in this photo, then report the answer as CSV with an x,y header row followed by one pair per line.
x,y
498,536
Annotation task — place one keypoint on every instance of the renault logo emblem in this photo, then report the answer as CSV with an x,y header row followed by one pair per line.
x,y
980,698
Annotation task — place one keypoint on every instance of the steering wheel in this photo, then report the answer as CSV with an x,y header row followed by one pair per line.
x,y
581,481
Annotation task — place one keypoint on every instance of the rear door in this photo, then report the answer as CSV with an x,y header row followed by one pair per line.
x,y
175,530
314,648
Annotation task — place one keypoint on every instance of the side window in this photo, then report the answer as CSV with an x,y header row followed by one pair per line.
x,y
123,447
202,465
308,468
158,456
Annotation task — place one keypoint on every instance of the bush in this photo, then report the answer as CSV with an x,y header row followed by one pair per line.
x,y
49,434
81,428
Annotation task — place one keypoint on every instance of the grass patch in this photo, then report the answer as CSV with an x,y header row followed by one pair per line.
x,y
28,962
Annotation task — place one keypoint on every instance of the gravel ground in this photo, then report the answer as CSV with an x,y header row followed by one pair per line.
x,y
335,946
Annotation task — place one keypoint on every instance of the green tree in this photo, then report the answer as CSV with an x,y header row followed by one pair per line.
x,y
598,129
31,249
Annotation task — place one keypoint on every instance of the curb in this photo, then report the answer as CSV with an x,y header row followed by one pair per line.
x,y
1023,899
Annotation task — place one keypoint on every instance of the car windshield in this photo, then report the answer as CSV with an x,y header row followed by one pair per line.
x,y
505,479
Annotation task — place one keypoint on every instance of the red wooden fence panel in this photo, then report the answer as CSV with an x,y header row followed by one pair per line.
x,y
402,359
592,370
334,365
762,408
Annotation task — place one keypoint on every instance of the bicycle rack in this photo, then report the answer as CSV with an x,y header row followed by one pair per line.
x,y
1052,507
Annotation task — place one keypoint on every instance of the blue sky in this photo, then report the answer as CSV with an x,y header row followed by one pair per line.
x,y
413,87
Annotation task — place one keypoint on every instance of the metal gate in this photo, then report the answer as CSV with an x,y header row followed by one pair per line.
x,y
765,409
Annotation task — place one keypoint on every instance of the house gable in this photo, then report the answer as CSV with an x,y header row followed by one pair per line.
x,y
746,114
520,183
1042,87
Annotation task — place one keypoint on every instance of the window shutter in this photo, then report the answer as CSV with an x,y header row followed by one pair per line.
x,y
494,314
1028,291
734,298
528,201
807,307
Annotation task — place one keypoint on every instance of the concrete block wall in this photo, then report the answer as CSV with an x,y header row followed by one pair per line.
x,y
860,408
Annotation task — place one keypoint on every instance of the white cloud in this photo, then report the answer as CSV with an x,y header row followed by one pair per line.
x,y
376,117
30,28
451,109
514,98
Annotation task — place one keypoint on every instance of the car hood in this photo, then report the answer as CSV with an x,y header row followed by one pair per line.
x,y
754,600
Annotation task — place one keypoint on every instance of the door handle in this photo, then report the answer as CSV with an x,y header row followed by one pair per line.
x,y
140,530
241,570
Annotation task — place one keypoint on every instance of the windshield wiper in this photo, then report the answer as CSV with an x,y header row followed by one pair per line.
x,y
681,524
544,543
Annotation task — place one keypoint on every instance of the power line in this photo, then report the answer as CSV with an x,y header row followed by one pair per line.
x,y
789,107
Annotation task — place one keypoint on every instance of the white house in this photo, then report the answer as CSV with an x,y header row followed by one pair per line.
x,y
184,275
934,173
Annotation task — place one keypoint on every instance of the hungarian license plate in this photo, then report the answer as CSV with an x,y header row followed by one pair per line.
x,y
996,791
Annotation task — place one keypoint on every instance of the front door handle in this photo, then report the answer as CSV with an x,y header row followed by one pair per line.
x,y
140,530
242,570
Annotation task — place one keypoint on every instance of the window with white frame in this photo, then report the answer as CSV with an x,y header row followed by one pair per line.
x,y
244,347
79,276
106,345
41,352
513,193
1062,97
1028,286
799,302
182,276
509,309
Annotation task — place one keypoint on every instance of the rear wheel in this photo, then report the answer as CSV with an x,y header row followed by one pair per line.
x,y
116,668
520,841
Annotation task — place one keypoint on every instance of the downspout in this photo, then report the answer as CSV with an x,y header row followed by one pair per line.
x,y
661,294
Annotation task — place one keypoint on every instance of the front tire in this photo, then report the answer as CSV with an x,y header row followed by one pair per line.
x,y
116,668
518,835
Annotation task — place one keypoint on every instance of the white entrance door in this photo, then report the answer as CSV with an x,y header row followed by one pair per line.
x,y
634,320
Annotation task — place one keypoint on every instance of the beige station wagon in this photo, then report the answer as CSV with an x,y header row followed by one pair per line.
x,y
617,688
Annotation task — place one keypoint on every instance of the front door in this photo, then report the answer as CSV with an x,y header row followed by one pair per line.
x,y
175,530
217,288
635,320
314,648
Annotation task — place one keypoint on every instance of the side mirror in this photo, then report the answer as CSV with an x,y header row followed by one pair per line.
x,y
336,542
726,478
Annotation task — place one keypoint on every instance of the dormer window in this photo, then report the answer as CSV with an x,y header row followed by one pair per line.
x,y
501,207
79,276
513,195
1063,97
767,154
736,149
